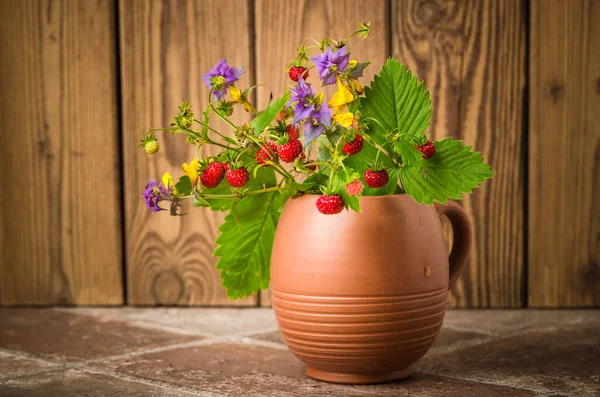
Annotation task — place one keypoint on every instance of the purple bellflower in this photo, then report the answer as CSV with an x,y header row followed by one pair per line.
x,y
221,77
329,63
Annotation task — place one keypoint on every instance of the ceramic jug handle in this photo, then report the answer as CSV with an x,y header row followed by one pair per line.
x,y
461,226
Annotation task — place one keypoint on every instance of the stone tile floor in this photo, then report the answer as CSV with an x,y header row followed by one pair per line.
x,y
133,352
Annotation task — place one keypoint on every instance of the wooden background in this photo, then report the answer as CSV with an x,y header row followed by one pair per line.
x,y
81,80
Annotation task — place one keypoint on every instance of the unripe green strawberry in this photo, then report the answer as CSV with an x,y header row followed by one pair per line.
x,y
151,147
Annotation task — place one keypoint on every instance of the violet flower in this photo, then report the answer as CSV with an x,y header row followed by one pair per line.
x,y
316,123
304,96
329,63
221,77
316,115
153,193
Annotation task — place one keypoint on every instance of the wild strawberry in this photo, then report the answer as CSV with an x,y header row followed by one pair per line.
x,y
237,177
354,188
267,153
212,175
353,147
297,71
292,132
376,178
289,151
330,205
427,149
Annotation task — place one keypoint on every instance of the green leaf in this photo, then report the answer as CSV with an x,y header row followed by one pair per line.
x,y
410,155
453,170
200,202
184,186
339,183
313,182
265,119
244,259
397,101
326,143
359,162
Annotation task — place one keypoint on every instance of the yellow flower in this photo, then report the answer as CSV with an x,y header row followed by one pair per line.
x,y
352,64
167,180
359,88
191,171
236,94
344,119
342,96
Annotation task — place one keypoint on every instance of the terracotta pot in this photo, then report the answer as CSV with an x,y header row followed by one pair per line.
x,y
359,297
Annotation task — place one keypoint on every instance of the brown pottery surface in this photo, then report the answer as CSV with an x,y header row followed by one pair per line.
x,y
359,297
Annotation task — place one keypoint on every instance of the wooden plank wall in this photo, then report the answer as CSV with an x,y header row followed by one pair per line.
x,y
166,47
564,156
60,240
517,79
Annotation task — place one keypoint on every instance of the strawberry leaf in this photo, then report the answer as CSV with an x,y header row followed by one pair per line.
x,y
265,119
398,102
453,170
410,155
184,186
244,258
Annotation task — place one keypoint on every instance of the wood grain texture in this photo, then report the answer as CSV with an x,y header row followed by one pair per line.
x,y
60,240
564,162
281,26
471,55
166,47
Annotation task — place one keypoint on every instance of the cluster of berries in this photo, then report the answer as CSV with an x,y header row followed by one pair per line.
x,y
214,173
287,152
375,177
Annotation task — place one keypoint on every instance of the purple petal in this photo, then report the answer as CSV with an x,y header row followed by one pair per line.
x,y
221,93
311,132
301,111
323,116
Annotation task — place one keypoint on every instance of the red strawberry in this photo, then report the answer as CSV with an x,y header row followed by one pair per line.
x,y
297,71
330,205
237,177
355,146
292,132
267,153
212,175
427,149
289,151
377,178
354,188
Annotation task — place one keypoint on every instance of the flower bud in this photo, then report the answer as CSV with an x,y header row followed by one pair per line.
x,y
151,146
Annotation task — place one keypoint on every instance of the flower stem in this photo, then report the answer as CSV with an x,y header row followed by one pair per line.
x,y
221,116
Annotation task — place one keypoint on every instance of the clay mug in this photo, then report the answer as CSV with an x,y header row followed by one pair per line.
x,y
359,297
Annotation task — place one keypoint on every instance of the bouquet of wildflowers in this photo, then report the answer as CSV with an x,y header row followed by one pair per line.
x,y
363,141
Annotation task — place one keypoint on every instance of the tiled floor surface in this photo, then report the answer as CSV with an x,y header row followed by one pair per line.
x,y
131,352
